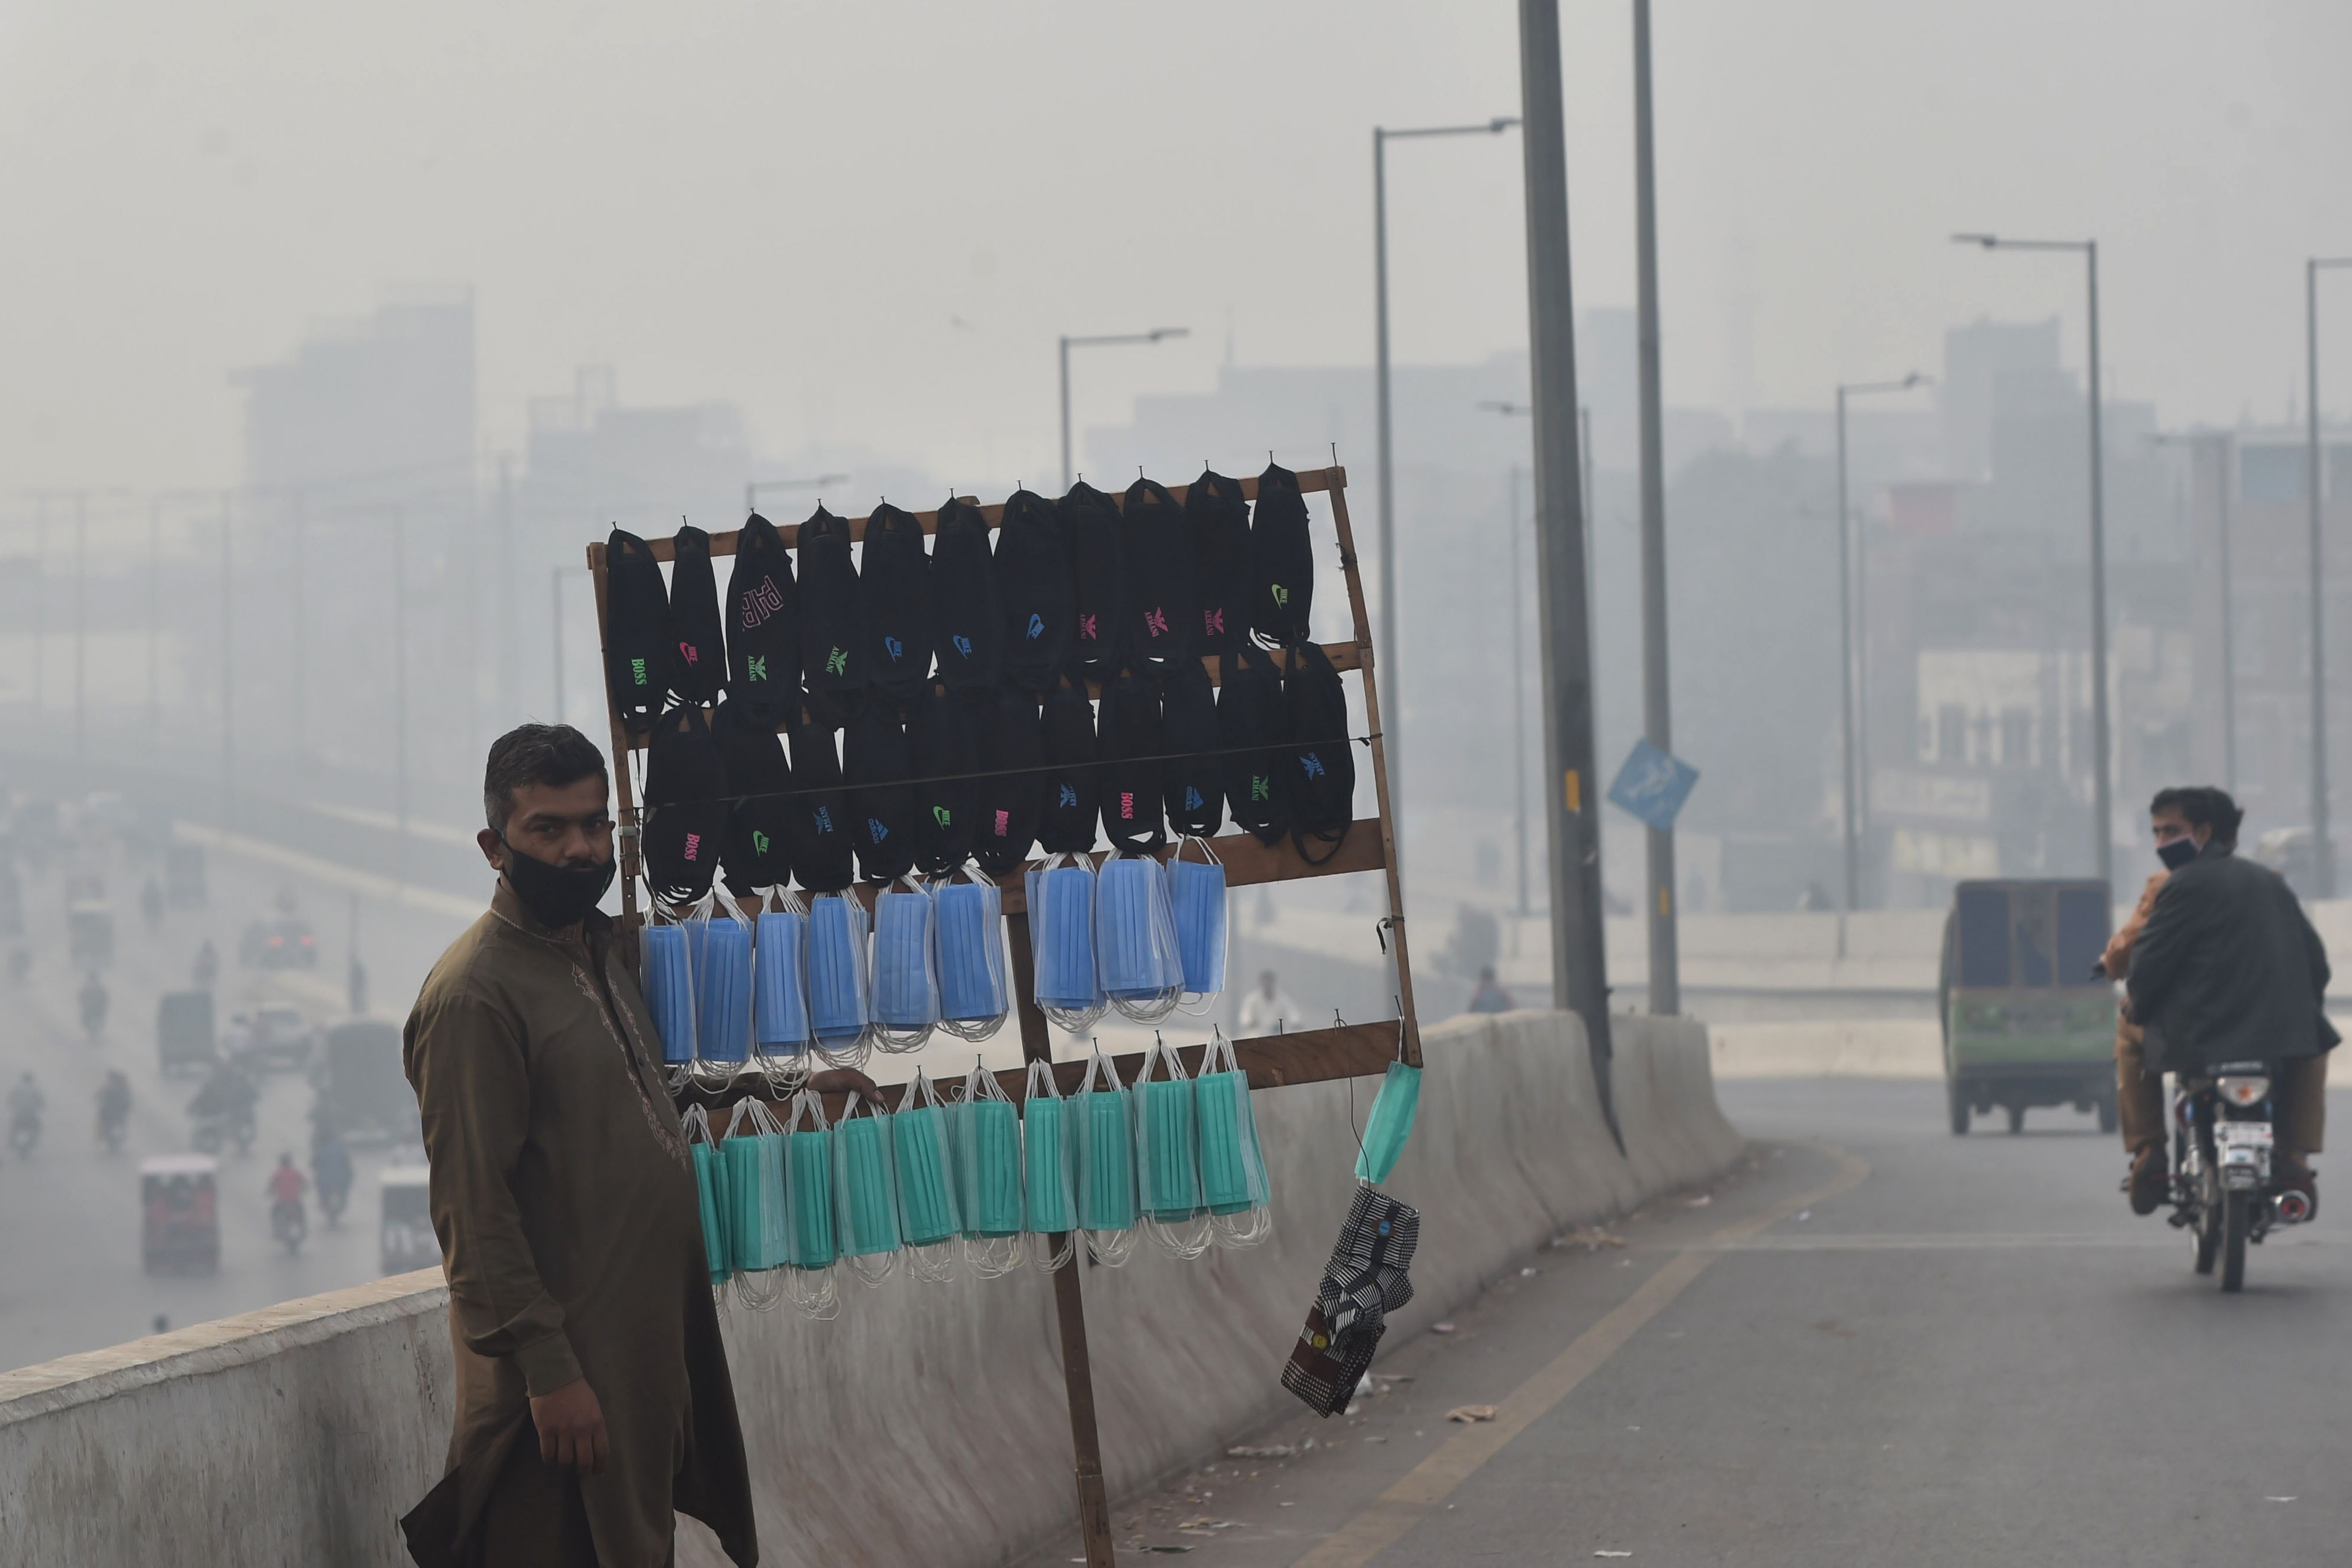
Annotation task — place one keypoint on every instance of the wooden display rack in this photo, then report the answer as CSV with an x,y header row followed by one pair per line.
x,y
1311,1056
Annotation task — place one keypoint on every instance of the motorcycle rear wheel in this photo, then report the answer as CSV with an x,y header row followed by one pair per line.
x,y
2205,1235
2237,1219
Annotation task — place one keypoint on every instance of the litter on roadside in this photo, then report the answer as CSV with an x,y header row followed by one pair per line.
x,y
1469,1413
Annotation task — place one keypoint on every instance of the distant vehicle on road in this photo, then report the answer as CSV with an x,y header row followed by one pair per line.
x,y
183,1031
279,941
179,1232
408,1239
273,1038
2025,1021
363,1095
90,933
183,876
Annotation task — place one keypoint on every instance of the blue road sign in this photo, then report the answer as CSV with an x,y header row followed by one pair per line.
x,y
1652,785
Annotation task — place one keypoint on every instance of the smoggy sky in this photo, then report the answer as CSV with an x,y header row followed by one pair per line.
x,y
867,223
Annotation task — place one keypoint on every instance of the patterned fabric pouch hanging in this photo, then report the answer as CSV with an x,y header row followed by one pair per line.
x,y
1049,1165
924,1157
1364,1281
968,921
1233,1167
839,1010
1168,1155
812,1243
866,1191
987,1139
1135,938
1062,928
1104,1110
905,1002
1196,898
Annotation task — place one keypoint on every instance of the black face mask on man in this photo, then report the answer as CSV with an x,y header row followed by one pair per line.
x,y
2177,852
557,896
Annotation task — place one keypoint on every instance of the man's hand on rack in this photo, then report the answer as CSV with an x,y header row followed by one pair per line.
x,y
844,1080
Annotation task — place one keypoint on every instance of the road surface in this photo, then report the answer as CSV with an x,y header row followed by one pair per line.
x,y
1872,1343
70,1277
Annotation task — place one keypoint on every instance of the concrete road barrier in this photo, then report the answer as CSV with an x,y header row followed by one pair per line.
x,y
927,1423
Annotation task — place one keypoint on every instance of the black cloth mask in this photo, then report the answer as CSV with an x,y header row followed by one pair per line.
x,y
556,896
2178,853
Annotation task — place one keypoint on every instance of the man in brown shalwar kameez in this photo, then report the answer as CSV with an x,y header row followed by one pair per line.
x,y
593,1397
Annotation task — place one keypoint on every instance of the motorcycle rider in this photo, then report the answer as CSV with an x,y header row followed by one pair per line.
x,y
25,1103
113,1106
285,1189
2223,966
226,1094
331,1163
207,965
93,1004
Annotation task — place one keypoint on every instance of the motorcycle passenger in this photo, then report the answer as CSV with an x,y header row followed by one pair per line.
x,y
113,1107
2223,967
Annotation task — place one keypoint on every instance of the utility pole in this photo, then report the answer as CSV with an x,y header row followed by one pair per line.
x,y
1099,341
400,679
2102,760
509,688
40,604
301,651
1657,697
228,664
2323,847
1519,702
154,619
1579,959
555,598
81,638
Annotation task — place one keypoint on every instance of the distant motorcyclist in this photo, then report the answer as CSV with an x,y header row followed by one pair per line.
x,y
285,1189
223,1107
331,1164
2224,966
25,1103
113,1107
207,965
93,1006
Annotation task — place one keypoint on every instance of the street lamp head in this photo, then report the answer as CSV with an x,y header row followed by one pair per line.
x,y
1494,406
1913,379
1159,332
1501,123
1986,240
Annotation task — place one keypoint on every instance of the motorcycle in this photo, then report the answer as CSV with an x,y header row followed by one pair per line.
x,y
23,1131
287,1226
2223,1189
111,1130
214,1129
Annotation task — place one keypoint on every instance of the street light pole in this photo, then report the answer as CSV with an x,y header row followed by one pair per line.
x,y
555,594
1853,688
1579,958
1097,341
2220,443
2102,769
400,677
1657,693
229,666
1384,634
2322,847
81,635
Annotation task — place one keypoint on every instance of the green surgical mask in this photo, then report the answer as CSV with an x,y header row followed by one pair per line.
x,y
1390,1123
